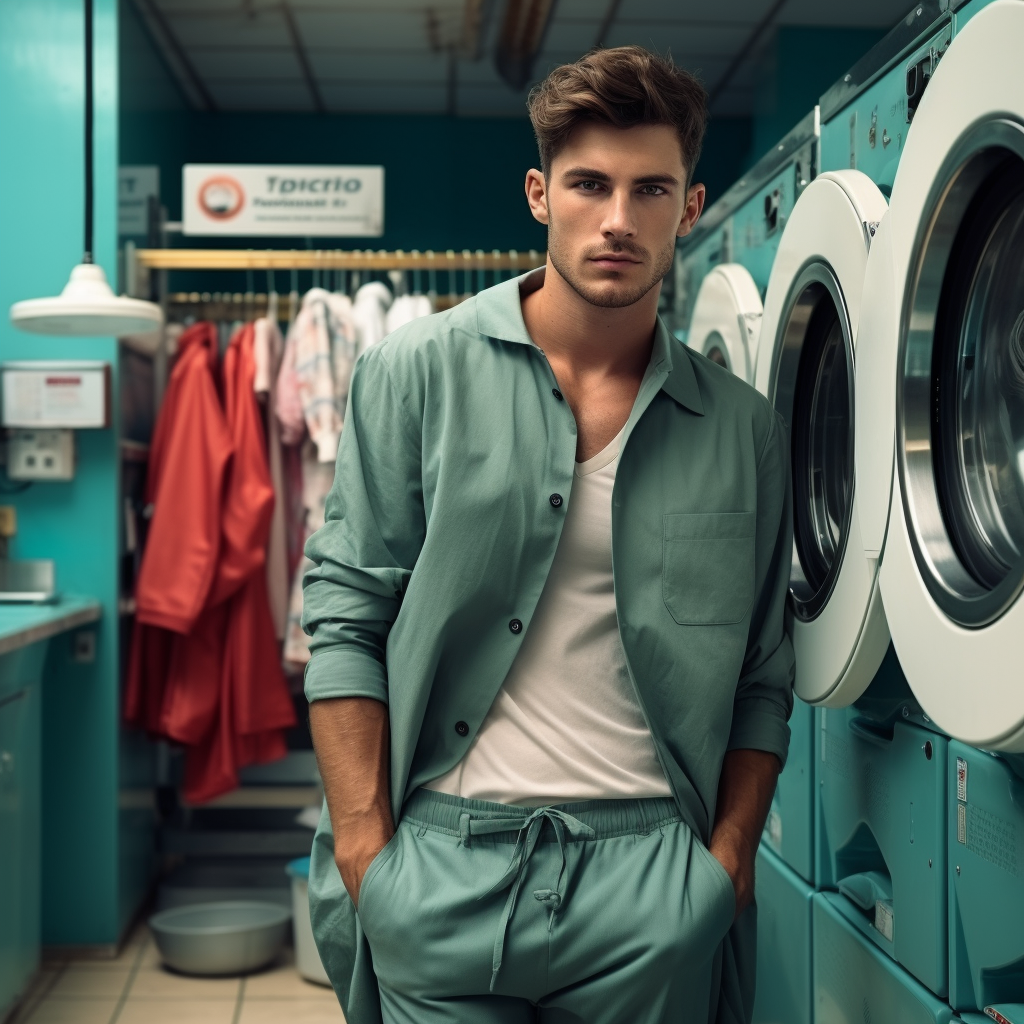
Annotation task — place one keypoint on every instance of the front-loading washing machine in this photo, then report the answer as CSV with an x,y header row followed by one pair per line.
x,y
945,379
805,367
726,320
941,447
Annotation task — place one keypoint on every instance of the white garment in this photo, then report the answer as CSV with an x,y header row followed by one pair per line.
x,y
369,311
566,724
405,309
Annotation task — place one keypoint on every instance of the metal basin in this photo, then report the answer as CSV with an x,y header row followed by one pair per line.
x,y
230,937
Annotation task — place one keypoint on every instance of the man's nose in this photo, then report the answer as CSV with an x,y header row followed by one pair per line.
x,y
618,220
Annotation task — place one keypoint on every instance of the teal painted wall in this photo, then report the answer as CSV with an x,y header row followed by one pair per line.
x,y
798,66
90,887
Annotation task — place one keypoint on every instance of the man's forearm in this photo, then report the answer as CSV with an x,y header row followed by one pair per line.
x,y
745,791
351,736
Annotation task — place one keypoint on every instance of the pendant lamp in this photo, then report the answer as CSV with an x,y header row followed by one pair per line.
x,y
87,306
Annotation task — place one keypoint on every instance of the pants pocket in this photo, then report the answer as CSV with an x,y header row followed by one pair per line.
x,y
723,891
378,862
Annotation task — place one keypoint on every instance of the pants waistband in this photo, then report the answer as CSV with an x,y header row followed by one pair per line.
x,y
607,818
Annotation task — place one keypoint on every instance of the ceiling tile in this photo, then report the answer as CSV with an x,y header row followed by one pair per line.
x,y
397,99
724,12
572,36
258,62
258,94
348,65
237,30
373,29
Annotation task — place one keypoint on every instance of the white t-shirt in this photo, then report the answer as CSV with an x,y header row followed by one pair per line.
x,y
566,724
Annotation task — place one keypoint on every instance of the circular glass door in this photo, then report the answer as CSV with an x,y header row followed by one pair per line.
x,y
814,394
961,387
714,349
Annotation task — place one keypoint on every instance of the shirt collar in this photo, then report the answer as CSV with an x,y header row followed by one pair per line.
x,y
500,316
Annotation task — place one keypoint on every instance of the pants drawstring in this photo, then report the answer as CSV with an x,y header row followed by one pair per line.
x,y
566,829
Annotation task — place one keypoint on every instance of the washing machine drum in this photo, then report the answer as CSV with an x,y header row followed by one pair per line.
x,y
953,559
806,368
726,321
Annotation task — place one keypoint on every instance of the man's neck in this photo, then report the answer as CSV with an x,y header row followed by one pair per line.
x,y
585,339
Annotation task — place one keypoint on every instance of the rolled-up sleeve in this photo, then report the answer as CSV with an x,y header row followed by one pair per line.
x,y
365,552
764,694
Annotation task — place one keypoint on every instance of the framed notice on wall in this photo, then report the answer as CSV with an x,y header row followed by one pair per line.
x,y
303,200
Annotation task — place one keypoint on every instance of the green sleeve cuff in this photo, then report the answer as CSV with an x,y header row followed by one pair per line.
x,y
344,672
760,724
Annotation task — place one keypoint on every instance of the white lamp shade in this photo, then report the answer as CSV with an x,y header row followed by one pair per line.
x,y
87,307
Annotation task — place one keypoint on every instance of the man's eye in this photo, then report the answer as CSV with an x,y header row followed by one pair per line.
x,y
652,190
588,186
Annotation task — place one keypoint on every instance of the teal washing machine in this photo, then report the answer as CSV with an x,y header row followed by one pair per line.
x,y
854,983
741,230
986,885
866,115
881,826
783,944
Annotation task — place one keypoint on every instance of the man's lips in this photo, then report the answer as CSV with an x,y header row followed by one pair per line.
x,y
612,259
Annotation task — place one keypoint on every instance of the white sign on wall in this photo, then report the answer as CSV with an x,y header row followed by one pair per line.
x,y
249,199
134,187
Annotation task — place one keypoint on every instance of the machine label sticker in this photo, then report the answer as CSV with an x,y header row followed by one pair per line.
x,y
961,824
997,1016
884,918
961,779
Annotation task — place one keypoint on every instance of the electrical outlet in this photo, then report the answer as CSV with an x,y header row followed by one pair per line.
x,y
83,646
41,455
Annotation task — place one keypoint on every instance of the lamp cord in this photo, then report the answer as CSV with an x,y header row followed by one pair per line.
x,y
87,256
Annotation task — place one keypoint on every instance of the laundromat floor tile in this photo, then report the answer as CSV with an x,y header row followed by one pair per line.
x,y
90,981
283,981
297,1011
73,1011
158,983
177,1011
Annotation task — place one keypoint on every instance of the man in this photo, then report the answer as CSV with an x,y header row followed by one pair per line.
x,y
547,618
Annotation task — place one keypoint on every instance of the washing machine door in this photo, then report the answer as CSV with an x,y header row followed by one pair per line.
x,y
953,560
806,368
726,320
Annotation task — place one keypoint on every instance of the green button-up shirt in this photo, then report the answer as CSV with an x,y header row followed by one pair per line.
x,y
440,532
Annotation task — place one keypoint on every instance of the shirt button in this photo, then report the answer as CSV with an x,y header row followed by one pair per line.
x,y
557,394
516,626
461,728
556,500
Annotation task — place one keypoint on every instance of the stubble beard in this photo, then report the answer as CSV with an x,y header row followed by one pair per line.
x,y
568,266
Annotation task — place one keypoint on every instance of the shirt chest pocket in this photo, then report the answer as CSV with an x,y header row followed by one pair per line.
x,y
708,567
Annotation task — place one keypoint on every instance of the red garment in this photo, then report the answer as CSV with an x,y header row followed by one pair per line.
x,y
214,684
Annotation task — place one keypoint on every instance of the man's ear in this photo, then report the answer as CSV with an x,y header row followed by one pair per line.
x,y
695,195
537,195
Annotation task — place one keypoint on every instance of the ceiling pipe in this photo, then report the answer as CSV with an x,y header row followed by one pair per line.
x,y
522,36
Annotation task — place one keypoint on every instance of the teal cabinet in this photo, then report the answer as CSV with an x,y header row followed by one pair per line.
x,y
25,632
19,824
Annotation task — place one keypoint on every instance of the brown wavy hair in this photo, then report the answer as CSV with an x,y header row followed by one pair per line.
x,y
625,87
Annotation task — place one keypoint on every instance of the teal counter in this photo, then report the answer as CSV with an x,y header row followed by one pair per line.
x,y
25,632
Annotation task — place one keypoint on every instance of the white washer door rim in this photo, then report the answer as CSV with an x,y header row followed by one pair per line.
x,y
816,282
940,552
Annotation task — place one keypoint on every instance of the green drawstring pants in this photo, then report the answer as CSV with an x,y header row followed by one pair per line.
x,y
604,912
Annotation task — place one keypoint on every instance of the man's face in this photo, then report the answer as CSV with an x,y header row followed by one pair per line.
x,y
615,201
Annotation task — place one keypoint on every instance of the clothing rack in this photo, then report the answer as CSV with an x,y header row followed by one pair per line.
x,y
336,259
